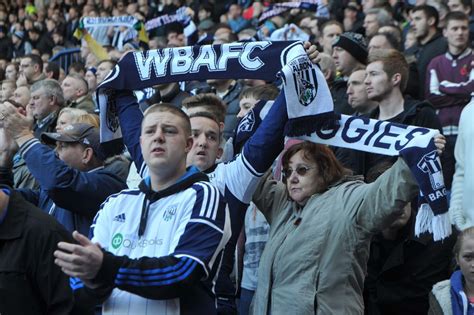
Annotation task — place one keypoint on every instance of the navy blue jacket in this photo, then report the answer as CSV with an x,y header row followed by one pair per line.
x,y
71,196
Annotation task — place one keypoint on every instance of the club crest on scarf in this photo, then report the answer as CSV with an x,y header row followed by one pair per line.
x,y
305,80
247,123
111,115
431,165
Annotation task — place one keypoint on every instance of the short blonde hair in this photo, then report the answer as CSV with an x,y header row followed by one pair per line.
x,y
80,116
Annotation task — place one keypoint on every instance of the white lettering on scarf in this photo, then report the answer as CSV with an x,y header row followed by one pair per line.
x,y
181,60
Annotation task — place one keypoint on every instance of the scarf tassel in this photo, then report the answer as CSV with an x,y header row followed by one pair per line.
x,y
306,125
439,225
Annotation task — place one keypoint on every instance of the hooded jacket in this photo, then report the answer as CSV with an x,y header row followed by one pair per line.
x,y
162,249
448,297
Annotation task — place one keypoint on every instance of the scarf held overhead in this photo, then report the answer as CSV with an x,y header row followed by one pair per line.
x,y
139,70
414,144
317,6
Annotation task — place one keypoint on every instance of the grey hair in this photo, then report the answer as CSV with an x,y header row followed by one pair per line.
x,y
51,88
383,17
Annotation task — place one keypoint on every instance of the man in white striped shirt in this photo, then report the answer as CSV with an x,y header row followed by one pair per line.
x,y
164,259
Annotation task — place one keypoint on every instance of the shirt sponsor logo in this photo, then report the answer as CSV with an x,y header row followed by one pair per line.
x,y
120,241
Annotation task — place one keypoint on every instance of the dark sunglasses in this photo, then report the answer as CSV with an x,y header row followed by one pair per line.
x,y
300,170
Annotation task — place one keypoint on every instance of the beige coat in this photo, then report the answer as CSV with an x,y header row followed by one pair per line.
x,y
318,265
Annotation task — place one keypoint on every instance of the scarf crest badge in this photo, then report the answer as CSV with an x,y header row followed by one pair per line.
x,y
305,78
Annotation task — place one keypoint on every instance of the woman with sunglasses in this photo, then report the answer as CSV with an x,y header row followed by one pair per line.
x,y
321,222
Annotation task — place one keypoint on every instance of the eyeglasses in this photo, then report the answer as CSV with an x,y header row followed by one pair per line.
x,y
300,170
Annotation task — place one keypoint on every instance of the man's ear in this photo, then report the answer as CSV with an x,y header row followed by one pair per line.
x,y
87,155
431,21
396,79
189,144
220,151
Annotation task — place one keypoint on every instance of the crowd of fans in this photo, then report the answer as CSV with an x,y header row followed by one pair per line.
x,y
193,217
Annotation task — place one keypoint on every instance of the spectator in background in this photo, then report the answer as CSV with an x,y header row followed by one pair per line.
x,y
73,183
374,19
205,16
235,19
353,18
31,69
22,95
91,79
71,25
450,82
229,91
76,93
349,53
430,43
51,71
5,44
69,116
383,41
21,46
357,94
22,177
328,68
45,102
206,102
8,88
11,71
41,41
464,6
329,31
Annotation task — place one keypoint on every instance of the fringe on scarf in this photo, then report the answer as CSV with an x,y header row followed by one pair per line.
x,y
439,225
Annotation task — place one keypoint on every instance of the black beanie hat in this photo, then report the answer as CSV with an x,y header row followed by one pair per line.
x,y
355,44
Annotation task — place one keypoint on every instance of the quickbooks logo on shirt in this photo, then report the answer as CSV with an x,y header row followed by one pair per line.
x,y
118,240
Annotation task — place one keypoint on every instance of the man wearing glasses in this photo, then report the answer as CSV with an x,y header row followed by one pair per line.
x,y
31,70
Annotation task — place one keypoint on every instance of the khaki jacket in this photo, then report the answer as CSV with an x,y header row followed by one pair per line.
x,y
315,258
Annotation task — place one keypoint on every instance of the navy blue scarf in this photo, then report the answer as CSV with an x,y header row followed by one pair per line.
x,y
139,70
